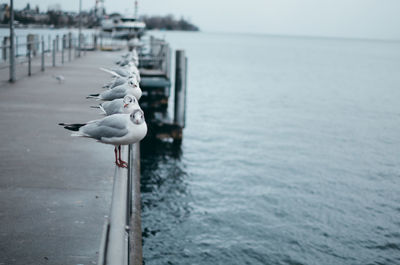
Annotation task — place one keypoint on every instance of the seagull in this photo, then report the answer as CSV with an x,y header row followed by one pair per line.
x,y
120,105
127,71
118,92
119,72
117,130
118,81
59,78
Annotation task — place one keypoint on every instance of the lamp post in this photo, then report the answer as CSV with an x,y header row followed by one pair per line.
x,y
12,51
80,28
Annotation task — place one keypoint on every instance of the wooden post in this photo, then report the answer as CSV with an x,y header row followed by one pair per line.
x,y
152,45
180,88
54,52
43,51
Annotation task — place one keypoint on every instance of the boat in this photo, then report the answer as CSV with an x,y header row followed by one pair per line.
x,y
125,28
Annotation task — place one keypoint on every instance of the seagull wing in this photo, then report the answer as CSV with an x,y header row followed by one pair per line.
x,y
117,82
113,107
116,92
114,126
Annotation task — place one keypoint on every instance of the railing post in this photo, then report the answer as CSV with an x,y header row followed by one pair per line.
x,y
180,88
49,43
69,46
16,46
62,48
29,62
54,52
43,51
5,47
95,42
57,42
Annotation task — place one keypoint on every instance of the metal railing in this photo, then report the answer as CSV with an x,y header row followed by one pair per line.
x,y
28,53
121,242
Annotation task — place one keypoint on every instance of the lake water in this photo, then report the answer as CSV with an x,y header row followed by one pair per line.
x,y
291,155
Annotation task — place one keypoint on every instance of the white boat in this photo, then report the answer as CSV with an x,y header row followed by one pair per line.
x,y
123,27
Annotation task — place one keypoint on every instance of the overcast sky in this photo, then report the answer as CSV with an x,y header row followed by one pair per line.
x,y
336,18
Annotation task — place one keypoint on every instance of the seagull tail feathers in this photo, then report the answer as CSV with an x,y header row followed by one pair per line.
x,y
93,96
95,107
109,71
72,127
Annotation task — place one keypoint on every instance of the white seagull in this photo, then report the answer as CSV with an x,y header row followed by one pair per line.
x,y
118,81
117,129
120,105
118,92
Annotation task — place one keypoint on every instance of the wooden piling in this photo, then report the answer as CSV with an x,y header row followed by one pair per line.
x,y
180,88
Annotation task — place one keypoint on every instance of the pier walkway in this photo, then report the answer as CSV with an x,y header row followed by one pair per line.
x,y
54,189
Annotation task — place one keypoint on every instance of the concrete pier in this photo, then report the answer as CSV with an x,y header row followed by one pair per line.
x,y
54,189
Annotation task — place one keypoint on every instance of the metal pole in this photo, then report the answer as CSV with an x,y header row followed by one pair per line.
x,y
12,48
42,64
80,28
54,52
180,87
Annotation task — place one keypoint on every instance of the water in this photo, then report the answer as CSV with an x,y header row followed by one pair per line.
x,y
291,155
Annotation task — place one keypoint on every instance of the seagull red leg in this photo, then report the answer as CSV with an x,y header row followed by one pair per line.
x,y
116,159
122,163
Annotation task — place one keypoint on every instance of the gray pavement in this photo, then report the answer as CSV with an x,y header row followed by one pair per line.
x,y
54,189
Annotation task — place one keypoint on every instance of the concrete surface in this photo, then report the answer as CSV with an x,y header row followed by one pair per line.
x,y
54,189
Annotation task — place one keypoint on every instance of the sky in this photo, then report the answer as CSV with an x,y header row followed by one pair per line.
x,y
329,18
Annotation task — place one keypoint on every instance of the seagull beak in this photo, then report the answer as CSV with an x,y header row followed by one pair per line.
x,y
125,105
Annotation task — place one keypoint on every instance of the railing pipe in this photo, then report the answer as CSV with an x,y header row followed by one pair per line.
x,y
117,247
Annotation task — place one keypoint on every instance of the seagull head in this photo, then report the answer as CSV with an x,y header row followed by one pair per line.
x,y
137,116
132,82
130,104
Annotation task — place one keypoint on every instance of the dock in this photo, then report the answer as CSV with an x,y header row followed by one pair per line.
x,y
63,199
55,189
